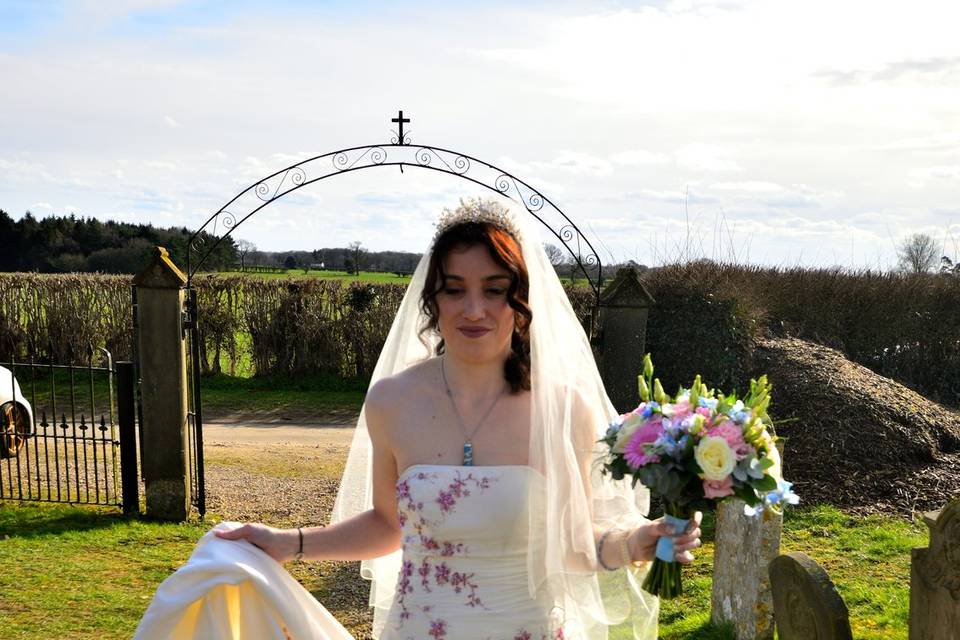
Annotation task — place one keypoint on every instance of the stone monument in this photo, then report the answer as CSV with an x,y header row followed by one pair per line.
x,y
806,603
935,578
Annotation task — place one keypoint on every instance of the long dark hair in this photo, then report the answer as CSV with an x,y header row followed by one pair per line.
x,y
505,251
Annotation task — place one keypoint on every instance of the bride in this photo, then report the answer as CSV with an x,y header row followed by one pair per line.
x,y
472,492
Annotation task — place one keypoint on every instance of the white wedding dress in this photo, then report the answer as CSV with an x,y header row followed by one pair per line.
x,y
464,571
463,575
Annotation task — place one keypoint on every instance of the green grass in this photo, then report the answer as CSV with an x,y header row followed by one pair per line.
x,y
365,276
304,395
72,572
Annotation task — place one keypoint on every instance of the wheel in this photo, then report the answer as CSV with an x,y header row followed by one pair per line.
x,y
14,429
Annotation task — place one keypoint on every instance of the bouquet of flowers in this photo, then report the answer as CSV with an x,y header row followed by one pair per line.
x,y
693,448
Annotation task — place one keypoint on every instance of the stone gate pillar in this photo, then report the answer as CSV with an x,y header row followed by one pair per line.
x,y
163,387
624,305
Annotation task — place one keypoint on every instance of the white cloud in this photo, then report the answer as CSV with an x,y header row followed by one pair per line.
x,y
750,186
639,156
640,116
41,205
702,157
944,171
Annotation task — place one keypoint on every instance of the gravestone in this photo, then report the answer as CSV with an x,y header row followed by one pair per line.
x,y
806,603
935,578
743,549
624,305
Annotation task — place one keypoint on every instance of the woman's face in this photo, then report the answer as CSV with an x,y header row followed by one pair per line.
x,y
476,321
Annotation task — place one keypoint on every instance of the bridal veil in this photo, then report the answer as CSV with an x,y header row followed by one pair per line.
x,y
570,413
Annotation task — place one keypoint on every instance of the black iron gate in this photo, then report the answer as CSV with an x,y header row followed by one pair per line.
x,y
398,153
68,432
194,406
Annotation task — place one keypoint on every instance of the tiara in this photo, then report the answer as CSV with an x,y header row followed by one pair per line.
x,y
471,210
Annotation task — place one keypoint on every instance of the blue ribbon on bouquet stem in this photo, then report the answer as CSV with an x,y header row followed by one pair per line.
x,y
665,543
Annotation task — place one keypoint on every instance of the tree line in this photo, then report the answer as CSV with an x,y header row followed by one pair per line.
x,y
63,244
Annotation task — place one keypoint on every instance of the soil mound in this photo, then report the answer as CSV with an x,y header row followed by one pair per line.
x,y
854,438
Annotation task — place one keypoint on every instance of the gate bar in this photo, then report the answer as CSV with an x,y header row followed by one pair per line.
x,y
130,489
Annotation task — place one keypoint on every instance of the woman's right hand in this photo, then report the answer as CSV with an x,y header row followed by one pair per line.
x,y
279,544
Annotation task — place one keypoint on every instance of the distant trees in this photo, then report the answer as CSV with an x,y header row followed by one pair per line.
x,y
357,251
555,254
69,243
918,254
948,267
244,248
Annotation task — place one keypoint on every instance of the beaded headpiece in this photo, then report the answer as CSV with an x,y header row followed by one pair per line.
x,y
477,210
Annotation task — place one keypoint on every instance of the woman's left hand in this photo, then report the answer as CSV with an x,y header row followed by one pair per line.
x,y
643,539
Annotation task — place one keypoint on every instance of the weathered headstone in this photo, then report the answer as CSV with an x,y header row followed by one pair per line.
x,y
623,320
163,388
806,603
743,549
935,579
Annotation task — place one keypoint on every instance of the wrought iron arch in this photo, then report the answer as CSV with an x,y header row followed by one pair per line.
x,y
400,152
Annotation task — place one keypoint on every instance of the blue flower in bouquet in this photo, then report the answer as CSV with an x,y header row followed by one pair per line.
x,y
780,496
709,403
669,445
614,427
783,494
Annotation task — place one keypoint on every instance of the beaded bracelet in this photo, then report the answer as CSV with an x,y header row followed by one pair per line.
x,y
603,539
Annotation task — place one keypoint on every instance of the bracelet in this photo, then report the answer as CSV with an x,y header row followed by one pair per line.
x,y
603,538
298,557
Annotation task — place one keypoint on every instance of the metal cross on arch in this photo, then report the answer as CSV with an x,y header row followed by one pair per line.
x,y
399,152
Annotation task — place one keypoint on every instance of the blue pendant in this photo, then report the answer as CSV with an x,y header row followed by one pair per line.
x,y
468,454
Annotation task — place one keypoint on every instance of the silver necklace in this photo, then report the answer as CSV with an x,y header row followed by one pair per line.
x,y
468,438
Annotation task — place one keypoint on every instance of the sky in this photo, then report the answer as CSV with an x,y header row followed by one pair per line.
x,y
814,134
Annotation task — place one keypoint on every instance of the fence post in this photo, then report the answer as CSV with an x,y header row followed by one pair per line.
x,y
129,484
624,305
163,387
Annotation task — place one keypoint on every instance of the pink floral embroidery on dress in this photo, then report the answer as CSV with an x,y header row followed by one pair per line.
x,y
410,511
438,628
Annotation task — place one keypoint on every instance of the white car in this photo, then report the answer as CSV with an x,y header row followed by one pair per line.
x,y
16,415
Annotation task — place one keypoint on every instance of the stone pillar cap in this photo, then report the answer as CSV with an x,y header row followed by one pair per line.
x,y
161,273
626,290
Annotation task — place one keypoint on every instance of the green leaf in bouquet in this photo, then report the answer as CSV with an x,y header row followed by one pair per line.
x,y
765,463
765,484
747,494
692,464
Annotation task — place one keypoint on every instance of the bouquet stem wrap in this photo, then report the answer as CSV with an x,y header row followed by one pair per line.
x,y
663,579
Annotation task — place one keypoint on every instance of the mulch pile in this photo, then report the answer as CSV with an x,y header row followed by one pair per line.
x,y
856,439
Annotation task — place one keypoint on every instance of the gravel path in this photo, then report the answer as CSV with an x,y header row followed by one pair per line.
x,y
287,475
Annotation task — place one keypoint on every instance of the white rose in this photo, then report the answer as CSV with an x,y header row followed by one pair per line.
x,y
715,457
629,425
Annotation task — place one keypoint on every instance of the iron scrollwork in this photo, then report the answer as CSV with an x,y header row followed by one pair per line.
x,y
399,153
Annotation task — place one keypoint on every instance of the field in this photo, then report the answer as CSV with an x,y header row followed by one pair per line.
x,y
365,276
97,570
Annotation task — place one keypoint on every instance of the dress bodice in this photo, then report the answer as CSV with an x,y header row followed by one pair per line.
x,y
464,574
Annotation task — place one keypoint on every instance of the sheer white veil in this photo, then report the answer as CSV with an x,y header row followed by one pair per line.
x,y
570,412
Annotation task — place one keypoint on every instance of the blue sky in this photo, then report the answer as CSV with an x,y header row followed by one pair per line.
x,y
815,133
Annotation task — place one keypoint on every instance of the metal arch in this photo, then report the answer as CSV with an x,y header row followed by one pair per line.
x,y
398,153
